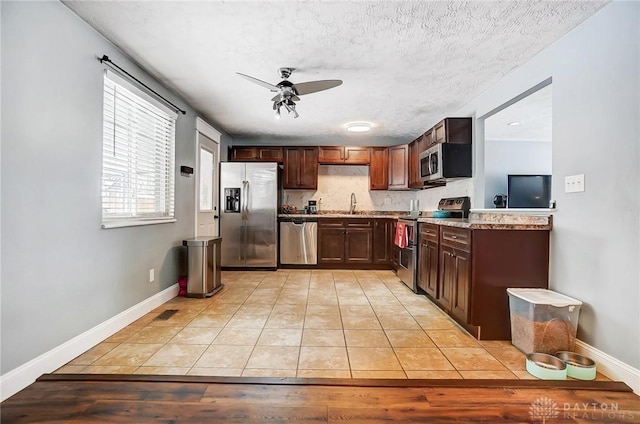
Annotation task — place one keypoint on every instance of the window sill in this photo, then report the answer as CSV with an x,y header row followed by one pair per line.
x,y
135,223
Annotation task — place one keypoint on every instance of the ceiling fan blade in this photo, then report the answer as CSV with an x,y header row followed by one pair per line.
x,y
315,86
259,82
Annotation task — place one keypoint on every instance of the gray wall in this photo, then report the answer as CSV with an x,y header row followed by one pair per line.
x,y
61,273
502,157
596,109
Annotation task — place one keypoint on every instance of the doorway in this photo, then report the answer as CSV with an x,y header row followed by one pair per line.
x,y
517,140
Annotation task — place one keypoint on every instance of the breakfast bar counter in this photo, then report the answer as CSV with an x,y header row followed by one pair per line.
x,y
494,221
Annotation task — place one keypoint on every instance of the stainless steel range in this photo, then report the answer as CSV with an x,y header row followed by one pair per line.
x,y
456,207
408,254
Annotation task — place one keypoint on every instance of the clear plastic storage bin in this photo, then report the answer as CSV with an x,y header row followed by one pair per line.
x,y
542,320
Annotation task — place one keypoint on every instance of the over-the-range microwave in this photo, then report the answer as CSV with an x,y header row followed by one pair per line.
x,y
445,161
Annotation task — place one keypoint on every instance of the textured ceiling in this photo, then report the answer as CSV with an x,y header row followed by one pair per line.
x,y
405,64
533,113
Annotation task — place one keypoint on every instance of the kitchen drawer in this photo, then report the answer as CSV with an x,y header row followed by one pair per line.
x,y
455,237
330,223
429,231
359,223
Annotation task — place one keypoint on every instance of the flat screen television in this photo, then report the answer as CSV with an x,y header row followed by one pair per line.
x,y
528,191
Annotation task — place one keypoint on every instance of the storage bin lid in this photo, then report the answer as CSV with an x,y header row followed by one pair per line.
x,y
544,297
201,241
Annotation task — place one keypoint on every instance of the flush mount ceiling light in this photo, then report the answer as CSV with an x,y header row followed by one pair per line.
x,y
514,123
359,127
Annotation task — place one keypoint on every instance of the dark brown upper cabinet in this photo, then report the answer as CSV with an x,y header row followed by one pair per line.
x,y
256,153
428,139
344,155
415,148
453,130
399,167
379,169
300,168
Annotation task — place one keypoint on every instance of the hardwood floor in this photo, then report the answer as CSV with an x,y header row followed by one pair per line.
x,y
57,398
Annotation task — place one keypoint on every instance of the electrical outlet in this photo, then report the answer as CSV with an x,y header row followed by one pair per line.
x,y
574,183
152,275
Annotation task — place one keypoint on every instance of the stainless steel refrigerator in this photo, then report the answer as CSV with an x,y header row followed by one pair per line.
x,y
248,219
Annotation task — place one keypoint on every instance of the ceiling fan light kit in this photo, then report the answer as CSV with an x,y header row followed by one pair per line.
x,y
288,92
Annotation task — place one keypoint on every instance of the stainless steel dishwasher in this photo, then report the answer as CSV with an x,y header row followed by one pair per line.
x,y
299,241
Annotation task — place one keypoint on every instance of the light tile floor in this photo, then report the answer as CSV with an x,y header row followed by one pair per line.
x,y
303,323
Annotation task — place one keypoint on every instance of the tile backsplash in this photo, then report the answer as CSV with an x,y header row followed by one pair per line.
x,y
337,182
335,185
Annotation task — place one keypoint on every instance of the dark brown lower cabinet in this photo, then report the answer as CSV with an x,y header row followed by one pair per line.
x,y
355,242
447,269
383,240
395,250
456,267
358,245
475,267
455,271
331,249
428,259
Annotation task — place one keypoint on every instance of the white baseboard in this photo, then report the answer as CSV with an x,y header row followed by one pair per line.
x,y
610,366
19,378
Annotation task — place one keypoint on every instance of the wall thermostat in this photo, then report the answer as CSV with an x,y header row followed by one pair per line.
x,y
186,170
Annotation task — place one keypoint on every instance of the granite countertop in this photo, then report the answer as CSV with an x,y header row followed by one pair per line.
x,y
344,214
476,220
493,221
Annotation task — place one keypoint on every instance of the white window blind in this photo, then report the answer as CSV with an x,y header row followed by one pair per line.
x,y
137,156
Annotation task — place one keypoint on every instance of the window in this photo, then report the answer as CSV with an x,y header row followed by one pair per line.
x,y
206,180
137,157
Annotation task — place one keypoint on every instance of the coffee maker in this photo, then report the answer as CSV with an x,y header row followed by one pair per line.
x,y
313,207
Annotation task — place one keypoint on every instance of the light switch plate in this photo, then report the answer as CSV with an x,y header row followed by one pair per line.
x,y
574,183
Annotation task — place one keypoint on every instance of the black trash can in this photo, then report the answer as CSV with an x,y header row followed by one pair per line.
x,y
203,266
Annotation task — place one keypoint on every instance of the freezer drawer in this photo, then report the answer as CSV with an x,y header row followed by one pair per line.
x,y
298,243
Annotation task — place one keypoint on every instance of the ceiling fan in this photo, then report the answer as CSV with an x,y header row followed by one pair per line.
x,y
288,92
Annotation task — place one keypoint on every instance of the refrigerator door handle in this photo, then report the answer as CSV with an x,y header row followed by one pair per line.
x,y
242,202
246,203
243,208
243,213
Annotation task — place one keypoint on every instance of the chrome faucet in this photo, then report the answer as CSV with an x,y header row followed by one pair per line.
x,y
352,208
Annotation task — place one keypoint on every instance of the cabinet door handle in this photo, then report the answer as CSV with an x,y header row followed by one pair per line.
x,y
453,237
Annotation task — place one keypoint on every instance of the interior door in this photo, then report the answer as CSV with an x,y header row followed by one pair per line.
x,y
207,213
